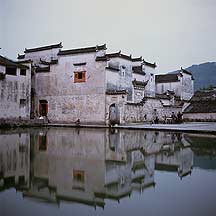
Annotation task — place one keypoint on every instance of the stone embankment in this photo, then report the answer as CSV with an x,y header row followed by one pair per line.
x,y
190,127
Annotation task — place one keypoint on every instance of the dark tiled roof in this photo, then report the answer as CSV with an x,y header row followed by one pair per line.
x,y
164,78
119,55
204,95
112,68
37,49
53,61
162,96
137,59
42,69
137,83
185,71
101,58
138,70
115,92
153,65
9,63
202,102
82,50
201,107
135,104
24,61
80,64
21,56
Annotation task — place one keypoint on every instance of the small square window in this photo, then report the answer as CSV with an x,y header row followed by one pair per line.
x,y
79,176
23,72
79,76
22,103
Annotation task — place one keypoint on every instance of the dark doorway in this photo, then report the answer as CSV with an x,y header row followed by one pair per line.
x,y
43,107
114,115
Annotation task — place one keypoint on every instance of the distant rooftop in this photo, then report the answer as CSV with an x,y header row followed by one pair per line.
x,y
82,50
10,63
202,102
163,78
42,48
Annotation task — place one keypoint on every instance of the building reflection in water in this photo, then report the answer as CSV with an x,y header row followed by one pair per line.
x,y
14,160
89,166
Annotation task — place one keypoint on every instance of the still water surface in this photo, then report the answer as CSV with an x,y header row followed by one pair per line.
x,y
100,172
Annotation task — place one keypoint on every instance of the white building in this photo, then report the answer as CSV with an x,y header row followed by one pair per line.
x,y
87,83
15,89
182,84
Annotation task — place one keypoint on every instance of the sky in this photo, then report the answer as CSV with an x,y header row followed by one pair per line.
x,y
172,33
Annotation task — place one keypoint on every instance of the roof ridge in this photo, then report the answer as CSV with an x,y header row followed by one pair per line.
x,y
42,48
82,50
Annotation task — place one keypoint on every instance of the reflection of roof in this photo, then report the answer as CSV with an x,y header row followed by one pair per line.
x,y
37,49
114,196
82,50
41,197
9,63
138,165
115,92
162,96
166,167
163,78
89,202
137,83
140,186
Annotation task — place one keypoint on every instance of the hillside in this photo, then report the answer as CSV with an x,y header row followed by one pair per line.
x,y
204,74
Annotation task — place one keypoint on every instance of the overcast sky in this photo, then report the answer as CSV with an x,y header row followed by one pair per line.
x,y
172,33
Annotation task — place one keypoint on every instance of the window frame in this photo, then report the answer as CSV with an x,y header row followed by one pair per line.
x,y
76,76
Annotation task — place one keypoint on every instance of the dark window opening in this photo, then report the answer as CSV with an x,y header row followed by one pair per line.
x,y
80,76
11,71
79,176
21,180
22,103
23,72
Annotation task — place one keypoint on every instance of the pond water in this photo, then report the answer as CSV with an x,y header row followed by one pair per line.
x,y
66,171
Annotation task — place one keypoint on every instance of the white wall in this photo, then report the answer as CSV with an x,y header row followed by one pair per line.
x,y
12,89
68,101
